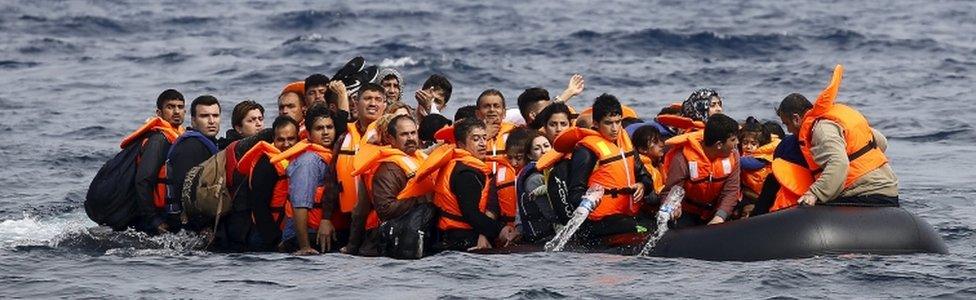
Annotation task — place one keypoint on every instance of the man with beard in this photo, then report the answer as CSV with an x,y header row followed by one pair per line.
x,y
192,148
385,171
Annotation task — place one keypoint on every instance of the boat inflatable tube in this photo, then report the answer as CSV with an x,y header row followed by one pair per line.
x,y
806,232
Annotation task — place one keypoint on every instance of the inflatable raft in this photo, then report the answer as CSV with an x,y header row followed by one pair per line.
x,y
794,233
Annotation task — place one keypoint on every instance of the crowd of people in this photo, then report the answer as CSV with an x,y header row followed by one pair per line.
x,y
367,172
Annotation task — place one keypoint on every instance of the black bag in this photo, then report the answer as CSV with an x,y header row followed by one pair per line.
x,y
409,236
111,195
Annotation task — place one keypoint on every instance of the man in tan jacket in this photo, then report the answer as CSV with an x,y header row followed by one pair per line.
x,y
845,154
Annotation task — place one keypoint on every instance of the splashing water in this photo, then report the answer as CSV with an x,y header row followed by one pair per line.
x,y
671,203
590,200
76,231
32,231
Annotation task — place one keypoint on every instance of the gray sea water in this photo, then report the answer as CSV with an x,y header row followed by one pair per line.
x,y
76,76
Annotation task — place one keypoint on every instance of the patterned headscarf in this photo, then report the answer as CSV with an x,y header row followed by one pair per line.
x,y
696,106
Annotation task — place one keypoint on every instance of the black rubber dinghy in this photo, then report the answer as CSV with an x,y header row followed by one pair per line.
x,y
806,232
794,233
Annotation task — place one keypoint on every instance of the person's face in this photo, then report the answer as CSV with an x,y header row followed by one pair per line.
x,y
323,132
556,125
439,101
540,145
392,87
371,106
728,145
285,137
491,109
749,143
791,121
207,120
290,104
172,112
252,124
536,108
714,106
609,127
515,156
656,150
316,94
476,142
406,138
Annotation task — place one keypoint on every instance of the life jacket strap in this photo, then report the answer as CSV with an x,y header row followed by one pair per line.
x,y
507,184
857,154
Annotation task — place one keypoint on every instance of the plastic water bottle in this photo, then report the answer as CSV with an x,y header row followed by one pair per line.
x,y
591,199
589,202
671,202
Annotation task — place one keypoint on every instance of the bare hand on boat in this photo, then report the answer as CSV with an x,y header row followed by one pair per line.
x,y
716,220
807,199
507,236
306,251
326,235
483,243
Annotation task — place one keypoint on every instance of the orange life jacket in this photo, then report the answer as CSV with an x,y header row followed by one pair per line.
x,y
315,213
794,180
614,170
753,180
155,124
706,176
683,124
348,183
368,160
442,162
279,196
861,148
656,173
496,144
505,176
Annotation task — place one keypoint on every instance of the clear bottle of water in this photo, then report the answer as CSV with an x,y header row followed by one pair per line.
x,y
591,199
671,202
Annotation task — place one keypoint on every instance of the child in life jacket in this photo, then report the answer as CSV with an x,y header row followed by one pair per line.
x,y
650,145
757,146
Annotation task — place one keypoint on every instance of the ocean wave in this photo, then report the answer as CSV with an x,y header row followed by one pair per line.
x,y
15,64
168,58
189,21
655,40
398,62
49,45
80,25
306,19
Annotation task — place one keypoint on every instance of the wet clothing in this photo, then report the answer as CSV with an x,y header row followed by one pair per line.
x,y
466,178
184,155
305,175
152,157
263,179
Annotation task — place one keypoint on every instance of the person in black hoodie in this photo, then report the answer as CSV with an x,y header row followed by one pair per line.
x,y
152,157
192,148
246,120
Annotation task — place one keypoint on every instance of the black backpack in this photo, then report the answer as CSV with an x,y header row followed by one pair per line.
x,y
110,200
409,236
